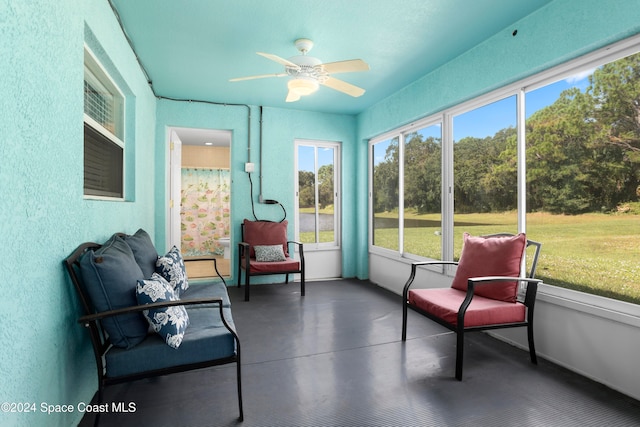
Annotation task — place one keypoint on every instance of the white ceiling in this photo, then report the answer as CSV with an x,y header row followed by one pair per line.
x,y
191,48
204,137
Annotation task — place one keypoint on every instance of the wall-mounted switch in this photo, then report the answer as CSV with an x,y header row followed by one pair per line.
x,y
249,167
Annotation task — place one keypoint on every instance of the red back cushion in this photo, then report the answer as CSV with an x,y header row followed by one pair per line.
x,y
265,233
491,256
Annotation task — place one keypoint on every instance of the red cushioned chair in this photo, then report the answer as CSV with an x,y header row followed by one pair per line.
x,y
265,250
488,291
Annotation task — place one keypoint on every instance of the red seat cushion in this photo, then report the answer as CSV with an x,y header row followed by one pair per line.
x,y
273,266
491,256
444,303
265,233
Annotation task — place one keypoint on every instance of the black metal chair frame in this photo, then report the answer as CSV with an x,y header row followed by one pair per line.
x,y
529,301
91,320
244,263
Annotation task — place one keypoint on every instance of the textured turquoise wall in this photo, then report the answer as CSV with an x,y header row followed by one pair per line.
x,y
558,32
45,356
280,128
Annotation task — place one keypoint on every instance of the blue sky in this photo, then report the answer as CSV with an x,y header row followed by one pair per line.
x,y
306,157
489,119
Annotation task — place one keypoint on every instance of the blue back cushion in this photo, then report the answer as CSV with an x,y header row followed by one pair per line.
x,y
143,251
110,275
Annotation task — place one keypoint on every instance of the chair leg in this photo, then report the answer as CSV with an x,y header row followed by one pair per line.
x,y
459,353
241,416
532,346
246,285
302,283
404,319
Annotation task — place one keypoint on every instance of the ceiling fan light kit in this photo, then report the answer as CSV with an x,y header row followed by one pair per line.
x,y
303,85
307,73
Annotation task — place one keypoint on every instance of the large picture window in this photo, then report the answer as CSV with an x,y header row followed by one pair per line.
x,y
556,156
583,179
103,132
485,171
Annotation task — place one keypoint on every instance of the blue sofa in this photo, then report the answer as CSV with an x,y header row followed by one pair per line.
x,y
112,281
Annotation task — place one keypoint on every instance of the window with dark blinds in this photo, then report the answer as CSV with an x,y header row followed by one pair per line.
x,y
103,174
103,135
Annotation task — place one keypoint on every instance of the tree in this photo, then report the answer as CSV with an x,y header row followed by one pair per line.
x,y
325,186
386,180
422,173
306,189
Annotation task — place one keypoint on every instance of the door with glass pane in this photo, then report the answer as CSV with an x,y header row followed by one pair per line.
x,y
318,202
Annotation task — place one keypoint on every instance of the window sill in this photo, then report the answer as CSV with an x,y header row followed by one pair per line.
x,y
607,308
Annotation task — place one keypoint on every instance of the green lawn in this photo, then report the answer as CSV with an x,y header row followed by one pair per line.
x,y
596,253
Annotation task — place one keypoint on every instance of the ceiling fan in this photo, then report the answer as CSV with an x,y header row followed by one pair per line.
x,y
307,73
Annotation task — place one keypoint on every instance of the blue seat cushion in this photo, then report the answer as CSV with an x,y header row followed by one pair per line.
x,y
207,290
110,275
143,251
205,339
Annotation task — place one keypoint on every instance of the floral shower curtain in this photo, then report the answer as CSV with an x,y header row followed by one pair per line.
x,y
204,211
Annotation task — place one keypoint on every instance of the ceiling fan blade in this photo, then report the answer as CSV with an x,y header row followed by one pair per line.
x,y
279,60
342,86
348,66
292,96
261,76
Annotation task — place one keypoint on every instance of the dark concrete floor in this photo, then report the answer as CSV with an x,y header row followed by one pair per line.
x,y
335,358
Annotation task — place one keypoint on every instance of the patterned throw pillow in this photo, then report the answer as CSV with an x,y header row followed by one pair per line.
x,y
171,267
169,322
269,253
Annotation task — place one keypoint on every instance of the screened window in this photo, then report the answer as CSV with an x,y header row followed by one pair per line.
x,y
385,194
103,132
422,172
317,192
556,155
583,179
485,171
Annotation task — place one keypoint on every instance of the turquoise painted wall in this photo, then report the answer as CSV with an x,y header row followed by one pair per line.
x,y
46,355
558,32
280,128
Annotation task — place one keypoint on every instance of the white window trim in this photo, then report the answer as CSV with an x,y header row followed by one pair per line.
x,y
95,66
621,311
337,182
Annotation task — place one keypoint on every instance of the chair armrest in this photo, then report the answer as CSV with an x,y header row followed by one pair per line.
x,y
138,308
300,248
472,281
503,279
414,267
242,247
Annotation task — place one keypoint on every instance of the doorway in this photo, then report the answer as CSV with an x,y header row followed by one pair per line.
x,y
200,207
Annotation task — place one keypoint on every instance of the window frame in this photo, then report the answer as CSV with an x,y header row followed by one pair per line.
x,y
98,72
583,301
400,133
337,186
